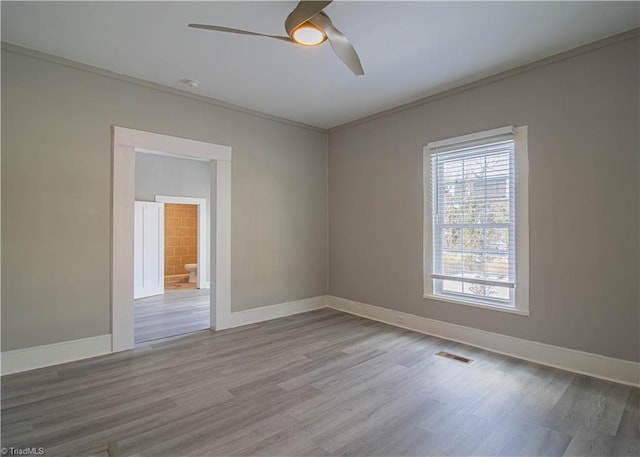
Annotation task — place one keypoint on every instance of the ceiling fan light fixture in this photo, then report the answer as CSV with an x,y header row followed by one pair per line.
x,y
307,25
308,35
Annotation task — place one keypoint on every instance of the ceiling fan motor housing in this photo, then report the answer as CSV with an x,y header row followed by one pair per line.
x,y
290,26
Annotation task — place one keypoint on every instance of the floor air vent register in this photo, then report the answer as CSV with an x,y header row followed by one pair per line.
x,y
459,358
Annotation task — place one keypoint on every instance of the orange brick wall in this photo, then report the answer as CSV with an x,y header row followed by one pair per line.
x,y
180,238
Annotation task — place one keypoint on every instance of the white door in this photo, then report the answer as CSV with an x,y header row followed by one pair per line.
x,y
148,257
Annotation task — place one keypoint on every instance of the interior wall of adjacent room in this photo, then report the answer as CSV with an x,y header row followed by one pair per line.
x,y
56,161
176,177
582,117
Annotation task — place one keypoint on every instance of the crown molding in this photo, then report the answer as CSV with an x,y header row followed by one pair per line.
x,y
456,89
437,95
16,49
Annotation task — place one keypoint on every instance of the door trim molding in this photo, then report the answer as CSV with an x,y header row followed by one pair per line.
x,y
125,143
203,270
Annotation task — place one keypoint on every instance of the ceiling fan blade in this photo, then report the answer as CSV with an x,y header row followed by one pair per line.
x,y
340,43
238,31
303,11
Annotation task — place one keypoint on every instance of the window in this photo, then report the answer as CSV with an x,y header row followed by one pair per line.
x,y
476,220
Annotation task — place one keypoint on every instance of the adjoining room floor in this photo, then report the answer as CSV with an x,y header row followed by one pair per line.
x,y
178,287
183,310
320,383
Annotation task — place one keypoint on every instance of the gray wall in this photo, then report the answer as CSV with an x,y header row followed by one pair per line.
x,y
56,197
583,123
175,177
584,148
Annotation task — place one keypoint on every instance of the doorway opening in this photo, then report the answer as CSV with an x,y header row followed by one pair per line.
x,y
171,235
181,266
214,272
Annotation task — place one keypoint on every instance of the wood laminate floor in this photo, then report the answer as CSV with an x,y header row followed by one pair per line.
x,y
316,384
171,314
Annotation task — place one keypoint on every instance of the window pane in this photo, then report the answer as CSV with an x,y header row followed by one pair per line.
x,y
473,168
473,239
475,289
474,210
497,267
497,239
452,238
453,212
452,171
476,190
498,211
473,265
501,293
496,189
451,286
480,290
452,263
498,165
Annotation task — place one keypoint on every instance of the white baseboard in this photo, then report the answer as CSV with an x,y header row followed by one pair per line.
x,y
265,313
27,359
599,366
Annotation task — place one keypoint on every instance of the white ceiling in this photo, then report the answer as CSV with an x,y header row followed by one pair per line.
x,y
408,49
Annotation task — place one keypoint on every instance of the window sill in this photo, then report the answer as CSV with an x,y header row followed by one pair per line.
x,y
477,305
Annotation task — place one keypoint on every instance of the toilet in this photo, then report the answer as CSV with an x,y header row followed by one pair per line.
x,y
192,268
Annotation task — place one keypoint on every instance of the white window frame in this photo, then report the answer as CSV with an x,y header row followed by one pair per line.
x,y
521,300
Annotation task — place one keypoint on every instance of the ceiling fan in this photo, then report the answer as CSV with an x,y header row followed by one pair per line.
x,y
308,25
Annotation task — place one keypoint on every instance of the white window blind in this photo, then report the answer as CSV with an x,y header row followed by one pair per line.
x,y
473,218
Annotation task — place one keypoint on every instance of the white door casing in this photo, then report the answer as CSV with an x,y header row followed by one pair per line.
x,y
125,143
148,257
